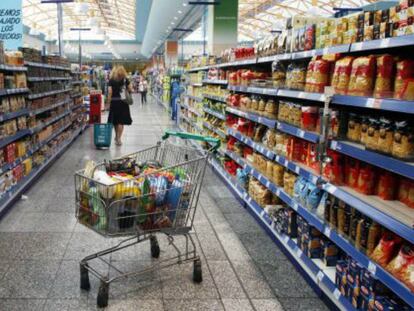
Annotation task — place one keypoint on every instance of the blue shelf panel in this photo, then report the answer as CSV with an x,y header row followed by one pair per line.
x,y
329,232
216,98
18,189
39,95
5,92
197,84
13,115
198,99
253,117
269,59
258,147
215,130
254,90
220,82
298,169
343,48
42,126
198,69
78,94
215,113
12,68
389,104
5,141
318,275
41,65
295,131
386,162
319,97
43,79
383,43
376,210
244,62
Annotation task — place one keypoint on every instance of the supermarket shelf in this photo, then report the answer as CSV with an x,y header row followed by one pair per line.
x,y
319,274
258,147
41,65
383,43
272,58
12,68
13,115
78,94
198,69
75,107
192,109
53,120
41,110
5,141
329,232
343,48
253,117
401,221
199,99
215,113
301,95
5,92
216,98
214,129
386,162
244,62
76,82
295,131
299,169
13,194
196,84
43,79
389,104
50,138
254,90
220,82
40,95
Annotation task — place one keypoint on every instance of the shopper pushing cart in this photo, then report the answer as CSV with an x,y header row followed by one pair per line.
x,y
152,191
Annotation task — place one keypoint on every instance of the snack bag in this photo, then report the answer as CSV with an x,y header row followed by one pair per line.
x,y
405,256
402,85
385,72
342,74
361,81
385,249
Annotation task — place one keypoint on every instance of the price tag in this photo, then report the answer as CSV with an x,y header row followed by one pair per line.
x,y
245,196
299,252
277,158
249,200
286,163
285,238
267,184
330,188
314,180
295,206
372,268
334,145
300,133
259,176
278,192
337,294
297,169
320,276
262,213
279,126
302,95
260,120
327,231
385,43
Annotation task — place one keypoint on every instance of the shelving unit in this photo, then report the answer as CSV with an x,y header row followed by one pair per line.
x,y
76,124
393,215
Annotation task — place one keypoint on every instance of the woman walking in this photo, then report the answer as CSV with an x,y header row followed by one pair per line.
x,y
143,88
119,114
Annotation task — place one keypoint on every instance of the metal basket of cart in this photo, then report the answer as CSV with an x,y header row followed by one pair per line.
x,y
154,190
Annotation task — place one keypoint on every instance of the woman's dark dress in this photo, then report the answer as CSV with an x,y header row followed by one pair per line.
x,y
119,110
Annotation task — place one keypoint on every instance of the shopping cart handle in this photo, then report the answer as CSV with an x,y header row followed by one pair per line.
x,y
216,142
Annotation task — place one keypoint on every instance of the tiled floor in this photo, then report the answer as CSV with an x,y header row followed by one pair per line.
x,y
41,245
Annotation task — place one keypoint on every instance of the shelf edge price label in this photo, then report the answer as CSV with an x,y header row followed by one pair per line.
x,y
334,145
327,231
278,192
337,294
267,184
385,43
320,276
286,163
300,133
372,268
295,206
262,213
299,252
297,169
285,238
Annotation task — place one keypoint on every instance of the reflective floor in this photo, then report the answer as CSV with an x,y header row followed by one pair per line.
x,y
41,245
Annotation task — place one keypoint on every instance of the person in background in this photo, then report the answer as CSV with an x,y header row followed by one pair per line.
x,y
119,113
143,89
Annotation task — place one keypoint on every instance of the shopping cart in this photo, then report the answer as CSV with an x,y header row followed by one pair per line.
x,y
161,198
102,135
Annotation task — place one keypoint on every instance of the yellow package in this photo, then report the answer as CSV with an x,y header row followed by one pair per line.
x,y
27,164
21,148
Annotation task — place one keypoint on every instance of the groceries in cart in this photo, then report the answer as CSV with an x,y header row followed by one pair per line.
x,y
124,195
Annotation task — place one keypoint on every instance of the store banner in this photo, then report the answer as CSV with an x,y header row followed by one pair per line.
x,y
11,25
222,25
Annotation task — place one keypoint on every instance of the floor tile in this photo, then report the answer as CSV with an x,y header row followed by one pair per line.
x,y
268,305
237,305
305,304
261,247
136,304
21,304
193,305
226,280
44,245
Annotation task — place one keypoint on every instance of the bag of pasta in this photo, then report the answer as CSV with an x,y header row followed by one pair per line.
x,y
385,249
404,80
405,256
361,81
385,73
407,275
342,74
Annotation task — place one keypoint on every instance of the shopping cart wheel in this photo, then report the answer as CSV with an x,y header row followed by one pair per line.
x,y
102,300
155,247
197,272
84,277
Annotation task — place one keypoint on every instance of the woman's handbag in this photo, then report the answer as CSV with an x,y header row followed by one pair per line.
x,y
126,95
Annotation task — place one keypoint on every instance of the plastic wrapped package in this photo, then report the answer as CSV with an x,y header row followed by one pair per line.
x,y
354,128
386,136
385,250
384,79
373,134
386,185
342,74
366,179
278,74
403,143
361,82
296,76
398,264
271,109
404,80
319,76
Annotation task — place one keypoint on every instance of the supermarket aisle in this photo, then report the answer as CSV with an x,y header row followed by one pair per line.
x,y
41,244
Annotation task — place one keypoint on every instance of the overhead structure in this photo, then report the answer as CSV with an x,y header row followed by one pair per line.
x,y
114,18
